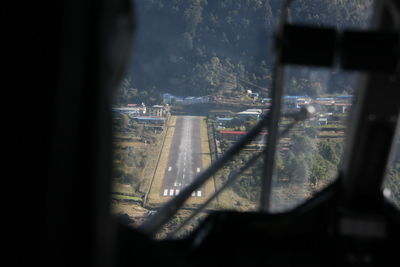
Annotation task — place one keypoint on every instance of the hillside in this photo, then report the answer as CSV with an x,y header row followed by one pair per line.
x,y
200,47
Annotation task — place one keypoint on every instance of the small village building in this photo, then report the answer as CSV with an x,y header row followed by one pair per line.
x,y
156,111
131,110
323,121
250,113
254,95
295,101
224,121
244,115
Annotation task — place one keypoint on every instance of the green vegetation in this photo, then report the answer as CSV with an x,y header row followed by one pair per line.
x,y
127,165
217,48
302,161
135,147
203,47
126,198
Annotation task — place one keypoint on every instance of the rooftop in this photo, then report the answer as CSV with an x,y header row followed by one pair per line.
x,y
224,119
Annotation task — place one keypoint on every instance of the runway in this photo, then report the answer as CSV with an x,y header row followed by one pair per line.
x,y
184,159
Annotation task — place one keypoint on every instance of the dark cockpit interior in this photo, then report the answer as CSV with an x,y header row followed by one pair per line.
x,y
63,62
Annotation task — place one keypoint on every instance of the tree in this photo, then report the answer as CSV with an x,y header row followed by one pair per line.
x,y
132,176
311,132
279,165
249,123
329,151
322,170
235,122
193,16
303,144
301,172
125,121
224,144
187,41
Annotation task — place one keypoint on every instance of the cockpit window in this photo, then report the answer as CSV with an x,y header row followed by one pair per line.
x,y
309,156
200,79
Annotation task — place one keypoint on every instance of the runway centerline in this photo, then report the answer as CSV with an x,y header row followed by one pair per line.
x,y
184,158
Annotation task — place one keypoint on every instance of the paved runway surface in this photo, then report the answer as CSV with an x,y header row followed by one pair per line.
x,y
184,159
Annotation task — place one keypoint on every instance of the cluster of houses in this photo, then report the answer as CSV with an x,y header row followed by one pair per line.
x,y
338,104
242,116
291,103
153,115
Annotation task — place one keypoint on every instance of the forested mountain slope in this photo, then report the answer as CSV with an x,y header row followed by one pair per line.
x,y
202,47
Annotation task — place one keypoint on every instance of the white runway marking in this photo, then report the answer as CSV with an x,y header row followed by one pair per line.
x,y
184,158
